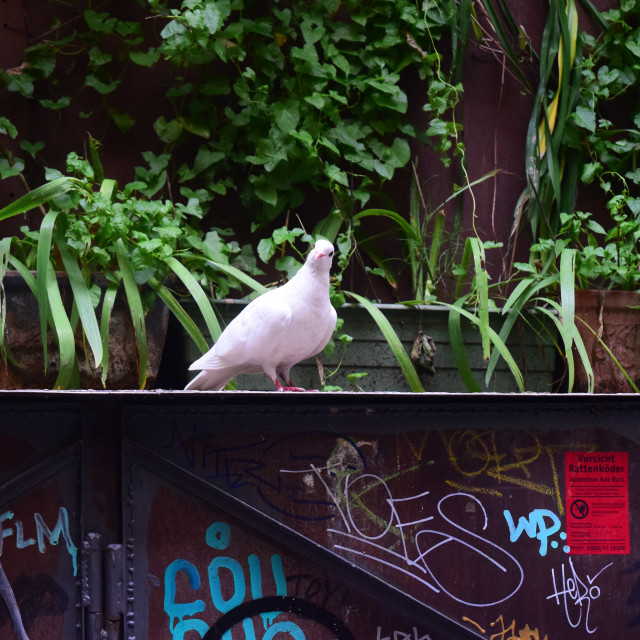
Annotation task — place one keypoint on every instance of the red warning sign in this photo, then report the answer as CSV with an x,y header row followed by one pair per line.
x,y
597,502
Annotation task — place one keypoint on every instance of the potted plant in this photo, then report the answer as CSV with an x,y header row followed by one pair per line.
x,y
98,247
607,301
477,346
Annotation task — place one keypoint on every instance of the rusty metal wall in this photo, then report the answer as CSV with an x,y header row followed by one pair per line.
x,y
365,516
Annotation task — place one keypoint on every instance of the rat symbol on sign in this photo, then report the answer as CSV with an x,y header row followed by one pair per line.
x,y
579,509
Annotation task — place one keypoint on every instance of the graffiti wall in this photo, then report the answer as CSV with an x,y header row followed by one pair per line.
x,y
317,522
251,516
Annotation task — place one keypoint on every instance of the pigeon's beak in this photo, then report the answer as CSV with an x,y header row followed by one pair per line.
x,y
319,255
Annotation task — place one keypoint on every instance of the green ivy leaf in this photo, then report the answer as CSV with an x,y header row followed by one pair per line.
x,y
590,171
123,121
99,57
147,59
8,170
32,148
524,266
167,131
101,87
284,234
205,158
61,103
287,116
100,21
7,128
289,265
22,83
265,192
211,18
266,248
316,100
400,152
311,31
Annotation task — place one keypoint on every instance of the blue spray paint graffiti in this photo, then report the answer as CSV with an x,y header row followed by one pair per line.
x,y
43,534
535,526
229,571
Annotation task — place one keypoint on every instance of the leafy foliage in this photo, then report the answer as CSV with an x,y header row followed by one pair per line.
x,y
304,94
133,241
272,99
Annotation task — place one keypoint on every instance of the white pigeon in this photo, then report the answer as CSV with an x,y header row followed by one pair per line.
x,y
276,330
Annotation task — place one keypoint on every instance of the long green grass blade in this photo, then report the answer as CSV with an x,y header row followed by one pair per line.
x,y
567,285
27,276
37,197
108,188
181,315
584,358
460,37
465,262
108,302
571,338
393,341
96,163
63,331
567,340
595,15
329,227
5,249
415,251
505,330
238,275
495,339
135,308
524,293
403,224
198,295
81,297
436,242
467,187
43,263
459,350
482,294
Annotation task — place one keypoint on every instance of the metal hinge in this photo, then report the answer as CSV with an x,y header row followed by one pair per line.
x,y
102,591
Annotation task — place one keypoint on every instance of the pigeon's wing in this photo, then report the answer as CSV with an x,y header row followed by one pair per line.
x,y
250,337
332,318
211,379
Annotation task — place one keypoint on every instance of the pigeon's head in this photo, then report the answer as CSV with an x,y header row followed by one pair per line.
x,y
321,255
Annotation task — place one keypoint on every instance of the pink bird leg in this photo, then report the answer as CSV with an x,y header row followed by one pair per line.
x,y
289,386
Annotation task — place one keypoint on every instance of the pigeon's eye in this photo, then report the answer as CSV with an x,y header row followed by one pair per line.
x,y
330,253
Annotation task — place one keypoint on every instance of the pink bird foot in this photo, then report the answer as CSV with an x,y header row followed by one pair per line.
x,y
289,386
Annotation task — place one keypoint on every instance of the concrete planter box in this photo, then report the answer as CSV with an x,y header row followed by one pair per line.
x,y
370,353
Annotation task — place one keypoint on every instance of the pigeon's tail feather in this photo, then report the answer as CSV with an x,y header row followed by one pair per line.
x,y
210,380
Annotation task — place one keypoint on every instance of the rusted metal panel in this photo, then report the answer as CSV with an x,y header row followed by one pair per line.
x,y
455,504
364,516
